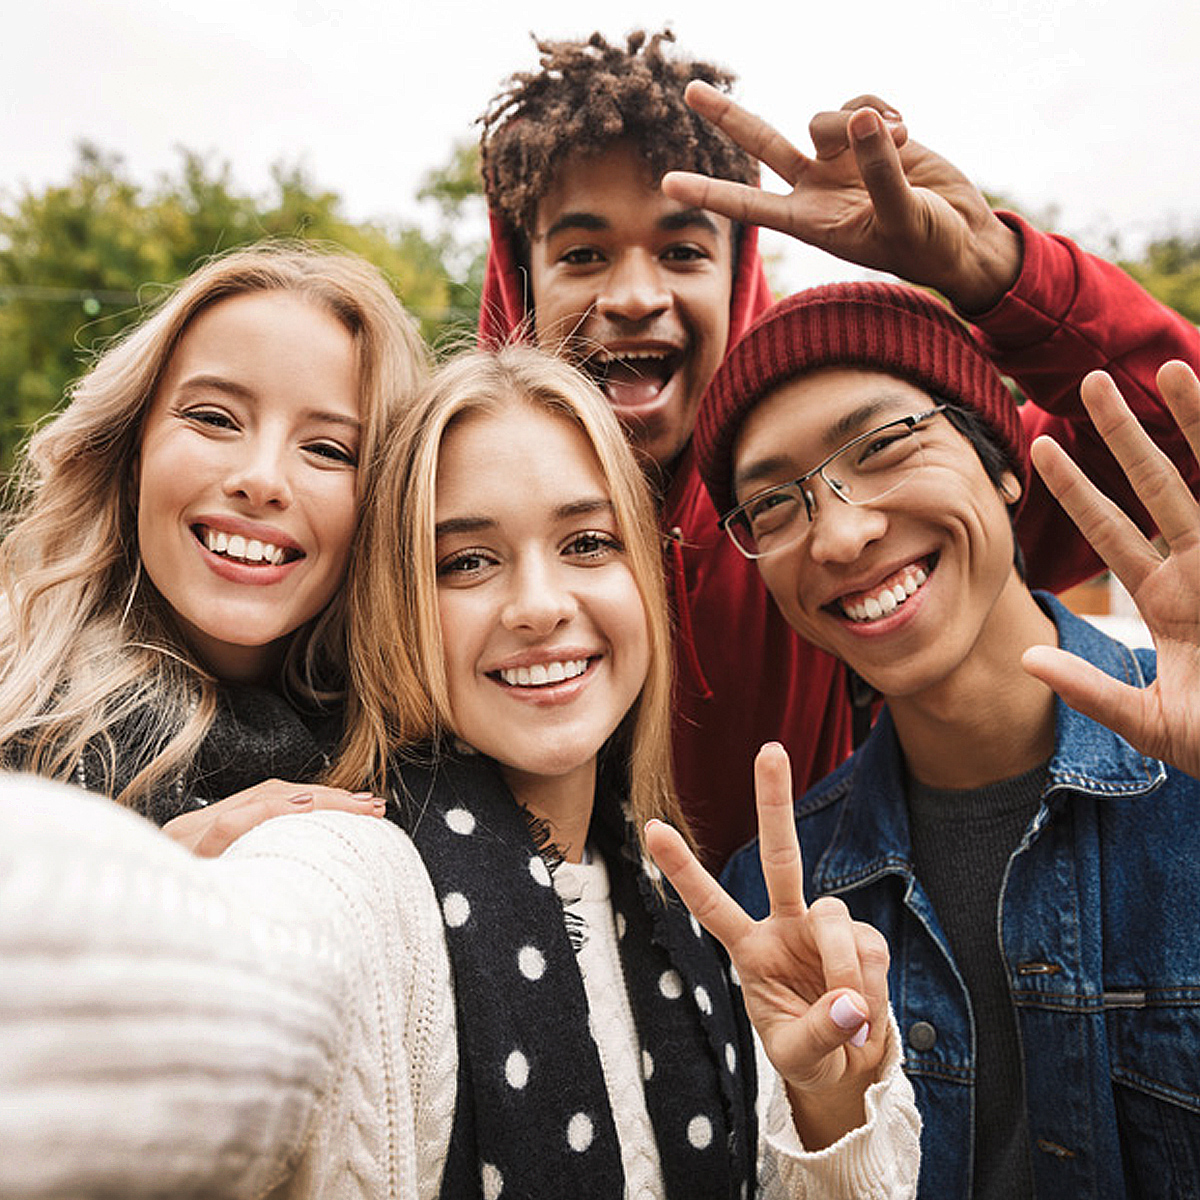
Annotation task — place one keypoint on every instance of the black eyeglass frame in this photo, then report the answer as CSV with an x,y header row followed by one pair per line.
x,y
797,484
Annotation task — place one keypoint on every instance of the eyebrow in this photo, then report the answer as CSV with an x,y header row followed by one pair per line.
x,y
673,222
239,391
846,427
563,512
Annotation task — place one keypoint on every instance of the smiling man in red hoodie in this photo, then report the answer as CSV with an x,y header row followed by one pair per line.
x,y
647,290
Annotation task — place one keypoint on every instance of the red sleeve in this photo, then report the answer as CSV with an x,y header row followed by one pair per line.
x,y
1070,313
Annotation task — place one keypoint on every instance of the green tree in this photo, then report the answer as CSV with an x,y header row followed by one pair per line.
x,y
80,260
1170,270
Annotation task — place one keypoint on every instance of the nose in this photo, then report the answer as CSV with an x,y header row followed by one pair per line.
x,y
840,531
634,289
259,473
538,600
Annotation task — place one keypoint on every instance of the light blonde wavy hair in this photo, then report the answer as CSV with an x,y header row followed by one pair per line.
x,y
399,695
91,656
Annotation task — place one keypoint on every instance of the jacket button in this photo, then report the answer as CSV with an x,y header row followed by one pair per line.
x,y
921,1035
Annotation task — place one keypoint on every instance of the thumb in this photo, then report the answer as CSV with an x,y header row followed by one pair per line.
x,y
841,1019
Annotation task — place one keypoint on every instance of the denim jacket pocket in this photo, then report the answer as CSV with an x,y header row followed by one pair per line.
x,y
1155,1057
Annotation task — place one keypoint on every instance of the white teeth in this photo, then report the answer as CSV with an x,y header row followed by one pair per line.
x,y
236,546
888,599
541,674
607,356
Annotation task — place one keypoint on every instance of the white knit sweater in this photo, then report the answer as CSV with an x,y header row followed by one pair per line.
x,y
277,1022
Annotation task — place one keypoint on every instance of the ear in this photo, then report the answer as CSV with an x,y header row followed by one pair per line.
x,y
1010,487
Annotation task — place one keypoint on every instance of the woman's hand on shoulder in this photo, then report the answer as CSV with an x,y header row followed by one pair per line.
x,y
814,980
210,831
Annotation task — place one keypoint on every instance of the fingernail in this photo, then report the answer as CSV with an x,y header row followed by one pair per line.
x,y
301,798
845,1015
860,1038
362,795
379,805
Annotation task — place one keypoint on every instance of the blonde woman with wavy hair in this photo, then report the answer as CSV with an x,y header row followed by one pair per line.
x,y
124,656
400,696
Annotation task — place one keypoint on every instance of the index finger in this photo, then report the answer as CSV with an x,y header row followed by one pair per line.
x,y
778,845
750,132
1151,473
706,899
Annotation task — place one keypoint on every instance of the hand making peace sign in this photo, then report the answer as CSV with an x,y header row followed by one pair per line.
x,y
814,980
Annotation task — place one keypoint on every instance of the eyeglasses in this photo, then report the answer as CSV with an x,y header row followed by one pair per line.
x,y
867,468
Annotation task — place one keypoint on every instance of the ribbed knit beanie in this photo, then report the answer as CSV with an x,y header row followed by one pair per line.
x,y
876,326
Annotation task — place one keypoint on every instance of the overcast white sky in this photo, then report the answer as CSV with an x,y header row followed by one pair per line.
x,y
1088,105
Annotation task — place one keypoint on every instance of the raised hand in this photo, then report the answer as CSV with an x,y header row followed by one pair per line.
x,y
870,196
814,980
207,832
1162,720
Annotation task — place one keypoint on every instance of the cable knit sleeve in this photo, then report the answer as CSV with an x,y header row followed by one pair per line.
x,y
877,1161
278,1021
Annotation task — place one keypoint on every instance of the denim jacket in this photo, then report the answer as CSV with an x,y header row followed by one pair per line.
x,y
1099,927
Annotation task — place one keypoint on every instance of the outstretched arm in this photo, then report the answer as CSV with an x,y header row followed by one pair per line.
x,y
868,194
1163,719
814,980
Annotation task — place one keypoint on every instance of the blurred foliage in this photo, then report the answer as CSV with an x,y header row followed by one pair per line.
x,y
1170,270
79,261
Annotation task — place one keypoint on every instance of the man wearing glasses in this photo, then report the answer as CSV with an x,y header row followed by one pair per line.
x,y
1034,874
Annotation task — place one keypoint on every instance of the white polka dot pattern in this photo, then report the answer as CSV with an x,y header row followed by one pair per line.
x,y
539,870
647,1066
461,821
730,1057
455,909
492,1180
670,984
695,925
699,1132
703,1001
516,1070
531,963
580,1132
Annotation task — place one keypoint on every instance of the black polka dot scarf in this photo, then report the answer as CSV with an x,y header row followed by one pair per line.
x,y
532,1116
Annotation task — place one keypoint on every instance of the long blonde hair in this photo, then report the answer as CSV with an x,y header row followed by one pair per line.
x,y
91,657
399,695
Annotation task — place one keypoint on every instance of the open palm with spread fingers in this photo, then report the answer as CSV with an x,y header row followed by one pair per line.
x,y
1162,719
869,195
814,980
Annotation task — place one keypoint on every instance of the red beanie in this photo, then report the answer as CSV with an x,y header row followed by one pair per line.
x,y
877,326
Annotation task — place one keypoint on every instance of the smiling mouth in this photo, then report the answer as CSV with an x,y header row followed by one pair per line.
x,y
250,551
884,598
633,379
542,674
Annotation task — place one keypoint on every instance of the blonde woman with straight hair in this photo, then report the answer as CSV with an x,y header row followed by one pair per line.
x,y
173,626
496,992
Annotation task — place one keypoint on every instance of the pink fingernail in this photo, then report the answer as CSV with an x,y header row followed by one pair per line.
x,y
860,1038
845,1015
362,795
301,798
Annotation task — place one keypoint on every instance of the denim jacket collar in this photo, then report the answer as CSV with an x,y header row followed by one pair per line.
x,y
872,835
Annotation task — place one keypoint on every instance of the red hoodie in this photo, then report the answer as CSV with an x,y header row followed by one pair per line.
x,y
742,677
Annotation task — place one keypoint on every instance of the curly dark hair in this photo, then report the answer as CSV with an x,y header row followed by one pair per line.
x,y
587,95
